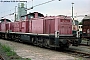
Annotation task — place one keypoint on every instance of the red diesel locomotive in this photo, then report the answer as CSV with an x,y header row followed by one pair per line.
x,y
44,31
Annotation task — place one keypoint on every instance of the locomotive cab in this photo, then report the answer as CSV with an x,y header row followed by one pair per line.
x,y
31,15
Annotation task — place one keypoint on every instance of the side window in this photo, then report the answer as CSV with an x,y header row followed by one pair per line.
x,y
30,16
23,17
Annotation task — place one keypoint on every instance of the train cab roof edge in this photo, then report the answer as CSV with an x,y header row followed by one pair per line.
x,y
33,14
2,20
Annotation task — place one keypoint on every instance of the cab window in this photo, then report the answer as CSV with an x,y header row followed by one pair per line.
x,y
23,17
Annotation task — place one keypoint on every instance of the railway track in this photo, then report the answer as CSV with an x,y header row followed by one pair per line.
x,y
84,44
1,58
78,53
74,52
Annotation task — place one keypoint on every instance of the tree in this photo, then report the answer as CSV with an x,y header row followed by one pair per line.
x,y
80,23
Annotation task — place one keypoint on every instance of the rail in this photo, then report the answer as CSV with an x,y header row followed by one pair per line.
x,y
79,53
1,58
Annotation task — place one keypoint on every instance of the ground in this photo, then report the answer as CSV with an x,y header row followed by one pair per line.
x,y
14,57
2,53
37,53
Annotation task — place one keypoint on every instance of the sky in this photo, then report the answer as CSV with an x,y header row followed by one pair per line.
x,y
54,8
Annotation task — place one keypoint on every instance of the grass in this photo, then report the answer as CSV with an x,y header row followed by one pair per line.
x,y
8,50
10,53
80,58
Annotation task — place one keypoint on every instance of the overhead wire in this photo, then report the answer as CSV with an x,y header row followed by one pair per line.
x,y
29,8
39,4
36,6
10,9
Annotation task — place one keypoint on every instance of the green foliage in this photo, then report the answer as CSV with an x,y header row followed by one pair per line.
x,y
80,23
0,44
80,58
10,53
6,48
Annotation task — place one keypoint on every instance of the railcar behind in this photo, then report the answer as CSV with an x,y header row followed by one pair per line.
x,y
86,27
